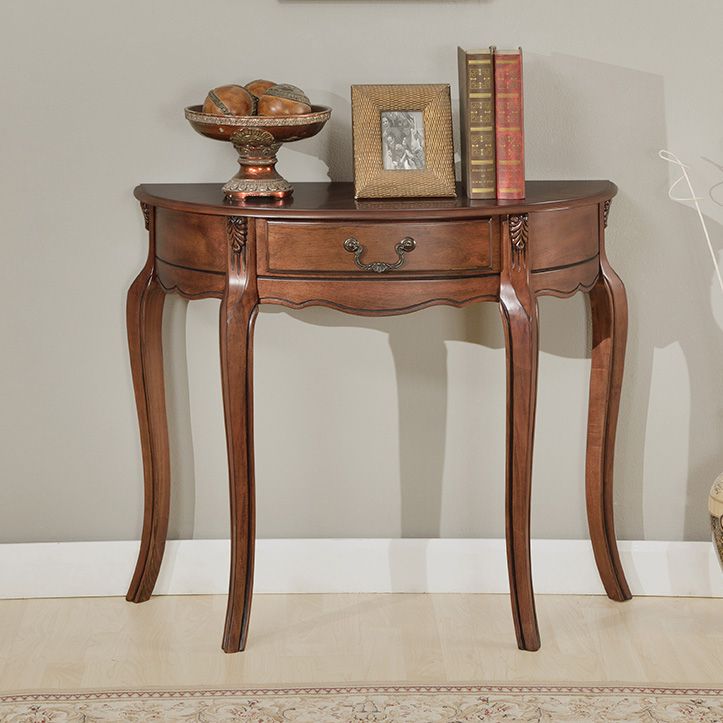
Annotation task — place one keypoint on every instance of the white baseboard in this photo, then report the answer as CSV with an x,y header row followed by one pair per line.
x,y
74,569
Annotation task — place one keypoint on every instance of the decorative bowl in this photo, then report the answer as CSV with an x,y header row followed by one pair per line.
x,y
257,140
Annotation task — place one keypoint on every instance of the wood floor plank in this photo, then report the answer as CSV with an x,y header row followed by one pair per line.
x,y
312,639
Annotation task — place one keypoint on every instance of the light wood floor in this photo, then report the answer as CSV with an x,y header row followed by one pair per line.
x,y
298,639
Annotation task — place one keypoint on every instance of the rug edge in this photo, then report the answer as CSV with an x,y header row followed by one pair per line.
x,y
198,692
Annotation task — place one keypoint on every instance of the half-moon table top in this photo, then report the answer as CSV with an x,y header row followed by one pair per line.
x,y
329,200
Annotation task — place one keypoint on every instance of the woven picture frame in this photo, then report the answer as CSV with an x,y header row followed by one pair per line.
x,y
371,179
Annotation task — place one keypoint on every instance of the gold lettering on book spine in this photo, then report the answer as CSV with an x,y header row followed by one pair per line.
x,y
477,85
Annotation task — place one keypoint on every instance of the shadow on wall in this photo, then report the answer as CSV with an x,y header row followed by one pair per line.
x,y
183,487
584,120
669,447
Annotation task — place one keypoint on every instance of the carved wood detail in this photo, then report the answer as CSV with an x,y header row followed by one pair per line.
x,y
237,232
518,238
387,311
189,295
146,209
606,212
237,228
565,282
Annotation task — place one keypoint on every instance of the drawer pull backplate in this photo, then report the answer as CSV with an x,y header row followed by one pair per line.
x,y
405,246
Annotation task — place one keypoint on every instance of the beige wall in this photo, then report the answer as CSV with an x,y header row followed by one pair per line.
x,y
364,427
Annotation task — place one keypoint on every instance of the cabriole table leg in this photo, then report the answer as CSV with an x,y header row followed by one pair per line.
x,y
144,316
237,318
518,307
609,329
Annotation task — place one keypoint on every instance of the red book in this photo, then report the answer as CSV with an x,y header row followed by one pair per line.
x,y
509,127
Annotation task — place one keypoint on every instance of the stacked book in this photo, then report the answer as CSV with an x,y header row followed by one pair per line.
x,y
491,121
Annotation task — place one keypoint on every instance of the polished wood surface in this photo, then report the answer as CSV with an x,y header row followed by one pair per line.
x,y
191,240
336,200
323,248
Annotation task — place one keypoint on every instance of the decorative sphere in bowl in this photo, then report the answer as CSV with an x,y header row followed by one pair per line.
x,y
230,100
283,99
259,86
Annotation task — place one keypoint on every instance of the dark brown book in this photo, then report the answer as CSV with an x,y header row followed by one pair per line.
x,y
477,121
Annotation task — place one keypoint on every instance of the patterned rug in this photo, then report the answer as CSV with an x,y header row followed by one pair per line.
x,y
378,704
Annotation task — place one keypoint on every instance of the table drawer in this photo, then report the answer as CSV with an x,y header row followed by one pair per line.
x,y
451,248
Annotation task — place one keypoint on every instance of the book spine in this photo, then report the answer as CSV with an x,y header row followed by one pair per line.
x,y
477,111
509,125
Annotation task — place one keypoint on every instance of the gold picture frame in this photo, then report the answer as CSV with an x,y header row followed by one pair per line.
x,y
403,143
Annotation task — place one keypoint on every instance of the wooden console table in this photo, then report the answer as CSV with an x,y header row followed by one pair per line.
x,y
375,258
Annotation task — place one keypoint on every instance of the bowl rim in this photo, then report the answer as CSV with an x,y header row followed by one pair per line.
x,y
318,113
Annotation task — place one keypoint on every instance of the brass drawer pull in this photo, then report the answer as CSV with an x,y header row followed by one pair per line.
x,y
406,245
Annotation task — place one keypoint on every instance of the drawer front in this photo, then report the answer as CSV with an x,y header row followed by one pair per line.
x,y
448,248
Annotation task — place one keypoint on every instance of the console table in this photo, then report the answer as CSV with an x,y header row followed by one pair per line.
x,y
377,257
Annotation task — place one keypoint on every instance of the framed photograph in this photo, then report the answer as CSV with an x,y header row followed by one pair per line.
x,y
402,141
